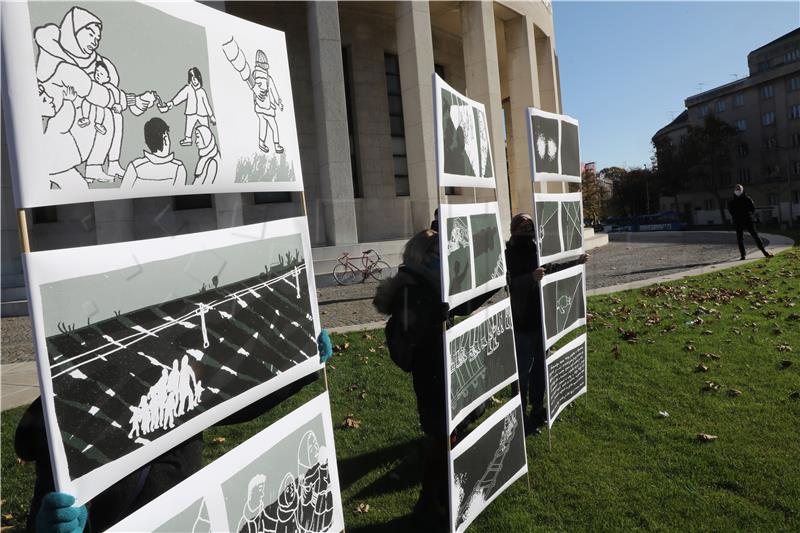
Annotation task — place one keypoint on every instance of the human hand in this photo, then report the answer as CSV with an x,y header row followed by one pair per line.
x,y
325,346
583,259
57,515
538,274
69,93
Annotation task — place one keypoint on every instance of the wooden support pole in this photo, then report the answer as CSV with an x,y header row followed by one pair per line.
x,y
22,222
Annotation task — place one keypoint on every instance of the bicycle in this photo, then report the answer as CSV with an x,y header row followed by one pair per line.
x,y
347,272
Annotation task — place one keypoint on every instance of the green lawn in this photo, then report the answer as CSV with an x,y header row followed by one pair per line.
x,y
615,463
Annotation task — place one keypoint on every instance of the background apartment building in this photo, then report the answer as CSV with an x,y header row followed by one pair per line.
x,y
764,107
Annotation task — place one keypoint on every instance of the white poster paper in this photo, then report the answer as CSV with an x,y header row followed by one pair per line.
x,y
463,146
284,478
472,251
566,377
563,298
143,344
111,100
559,226
486,463
553,147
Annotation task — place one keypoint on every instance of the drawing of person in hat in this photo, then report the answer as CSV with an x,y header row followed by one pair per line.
x,y
265,101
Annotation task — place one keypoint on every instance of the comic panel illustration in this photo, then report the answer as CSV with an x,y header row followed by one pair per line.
x,y
143,344
544,139
559,227
462,138
570,147
472,251
481,358
563,302
547,228
284,479
572,224
131,99
566,377
485,463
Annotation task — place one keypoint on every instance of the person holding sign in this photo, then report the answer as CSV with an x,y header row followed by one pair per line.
x,y
524,273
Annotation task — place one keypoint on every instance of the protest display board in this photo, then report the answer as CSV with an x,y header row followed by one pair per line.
x,y
462,136
563,300
566,377
559,226
143,344
472,251
112,100
486,462
284,478
480,359
553,142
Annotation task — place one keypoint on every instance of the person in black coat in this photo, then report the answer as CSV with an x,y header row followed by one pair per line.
x,y
413,299
524,273
741,208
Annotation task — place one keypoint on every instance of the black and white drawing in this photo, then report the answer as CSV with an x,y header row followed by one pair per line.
x,y
282,480
158,163
462,139
472,252
554,146
85,77
169,337
481,359
563,302
559,225
566,377
486,462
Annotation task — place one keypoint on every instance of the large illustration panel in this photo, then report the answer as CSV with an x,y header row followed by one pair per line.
x,y
284,479
117,100
481,359
563,302
462,139
472,251
485,463
559,226
553,146
566,377
143,344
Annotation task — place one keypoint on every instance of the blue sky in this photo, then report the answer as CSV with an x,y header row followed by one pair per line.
x,y
625,66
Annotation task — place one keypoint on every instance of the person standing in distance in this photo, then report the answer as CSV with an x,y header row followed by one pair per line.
x,y
741,208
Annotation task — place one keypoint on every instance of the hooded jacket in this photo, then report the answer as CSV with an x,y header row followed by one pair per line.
x,y
741,209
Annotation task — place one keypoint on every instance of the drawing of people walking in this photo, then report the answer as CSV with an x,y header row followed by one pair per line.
x,y
159,164
266,100
209,158
68,57
197,108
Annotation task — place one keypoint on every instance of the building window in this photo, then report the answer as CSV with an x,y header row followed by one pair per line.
x,y
793,84
794,112
744,175
768,118
704,110
45,215
770,144
355,168
762,66
738,100
743,149
272,197
767,91
191,201
725,178
395,95
720,106
791,56
796,197
741,124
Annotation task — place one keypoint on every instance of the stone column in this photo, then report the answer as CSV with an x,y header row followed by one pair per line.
x,y
483,84
330,110
415,53
523,93
113,221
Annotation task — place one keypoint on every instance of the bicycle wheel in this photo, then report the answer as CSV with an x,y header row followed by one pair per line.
x,y
344,274
380,270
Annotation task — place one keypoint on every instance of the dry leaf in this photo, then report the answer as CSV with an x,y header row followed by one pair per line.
x,y
663,414
705,437
367,336
783,347
372,350
707,332
734,393
710,386
363,395
362,508
218,440
709,355
351,423
701,368
20,461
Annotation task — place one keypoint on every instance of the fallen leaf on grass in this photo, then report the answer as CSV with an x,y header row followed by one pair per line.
x,y
705,437
793,316
20,461
783,347
372,350
709,355
615,351
8,516
689,347
663,414
218,440
707,332
733,393
710,386
362,508
351,423
496,401
367,336
701,368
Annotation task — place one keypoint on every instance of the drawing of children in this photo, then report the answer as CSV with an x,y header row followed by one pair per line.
x,y
197,109
92,113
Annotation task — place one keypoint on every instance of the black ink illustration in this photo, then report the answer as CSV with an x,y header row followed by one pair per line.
x,y
208,163
545,144
571,225
570,157
465,136
197,108
547,222
459,255
487,255
159,164
566,377
563,303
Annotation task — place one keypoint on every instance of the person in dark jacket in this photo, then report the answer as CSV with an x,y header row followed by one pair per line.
x,y
524,274
741,208
414,299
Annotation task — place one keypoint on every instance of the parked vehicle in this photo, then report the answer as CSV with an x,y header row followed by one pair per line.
x,y
348,272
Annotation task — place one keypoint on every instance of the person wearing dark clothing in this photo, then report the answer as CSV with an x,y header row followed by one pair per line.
x,y
435,221
742,208
524,273
413,298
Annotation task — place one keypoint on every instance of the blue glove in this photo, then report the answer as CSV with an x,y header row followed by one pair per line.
x,y
57,515
325,346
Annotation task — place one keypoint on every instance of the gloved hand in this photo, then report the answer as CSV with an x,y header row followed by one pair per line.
x,y
325,346
57,515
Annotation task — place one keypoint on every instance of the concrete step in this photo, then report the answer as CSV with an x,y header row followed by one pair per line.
x,y
595,241
588,233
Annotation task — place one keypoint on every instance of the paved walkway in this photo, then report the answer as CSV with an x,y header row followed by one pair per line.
x,y
630,260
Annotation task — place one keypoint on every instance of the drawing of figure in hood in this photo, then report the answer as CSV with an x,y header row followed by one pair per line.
x,y
197,110
266,99
315,509
209,157
159,164
58,138
67,56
